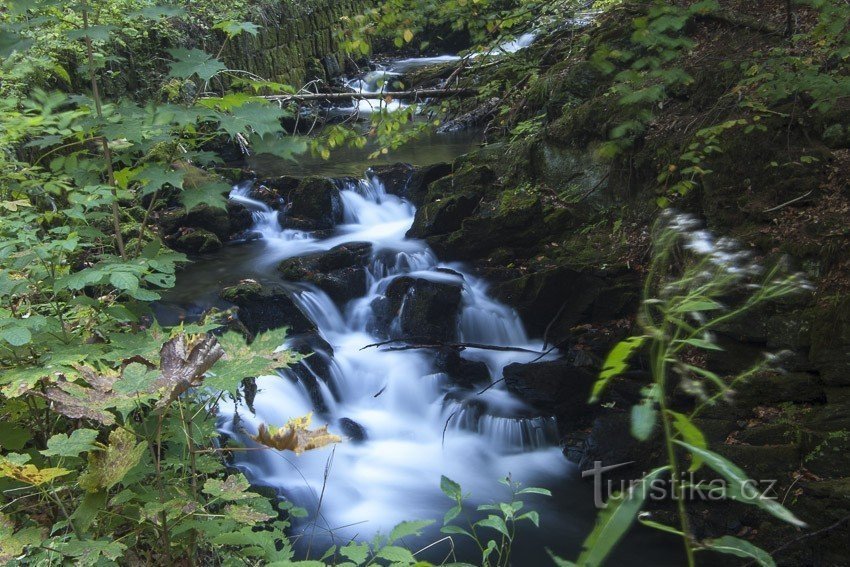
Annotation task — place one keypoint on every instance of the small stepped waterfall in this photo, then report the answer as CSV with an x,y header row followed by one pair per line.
x,y
418,424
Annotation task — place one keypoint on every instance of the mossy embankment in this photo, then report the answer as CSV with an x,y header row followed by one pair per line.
x,y
562,227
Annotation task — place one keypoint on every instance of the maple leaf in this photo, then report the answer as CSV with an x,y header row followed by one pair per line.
x,y
109,465
183,365
18,469
194,62
295,436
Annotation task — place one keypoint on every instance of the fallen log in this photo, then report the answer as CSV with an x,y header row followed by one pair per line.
x,y
420,93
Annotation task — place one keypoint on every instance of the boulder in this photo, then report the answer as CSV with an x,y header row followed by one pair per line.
x,y
395,177
418,309
831,343
353,430
581,296
339,272
196,241
443,216
239,217
555,387
313,203
421,179
771,388
463,372
265,307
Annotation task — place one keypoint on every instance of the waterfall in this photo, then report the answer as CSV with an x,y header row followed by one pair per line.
x,y
419,425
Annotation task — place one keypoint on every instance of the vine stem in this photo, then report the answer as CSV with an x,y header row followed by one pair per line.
x,y
107,152
659,358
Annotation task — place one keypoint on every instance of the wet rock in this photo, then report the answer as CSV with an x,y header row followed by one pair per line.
x,y
339,272
489,229
761,462
196,241
266,307
314,368
579,295
827,454
421,179
767,434
353,430
831,343
463,372
443,216
610,442
557,387
239,217
395,177
418,309
313,203
771,388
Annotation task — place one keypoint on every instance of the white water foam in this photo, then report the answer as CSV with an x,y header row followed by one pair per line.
x,y
419,425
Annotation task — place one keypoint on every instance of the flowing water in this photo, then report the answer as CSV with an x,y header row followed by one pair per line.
x,y
418,424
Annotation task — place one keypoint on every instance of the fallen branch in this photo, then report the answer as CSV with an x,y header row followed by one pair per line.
x,y
786,203
420,93
448,345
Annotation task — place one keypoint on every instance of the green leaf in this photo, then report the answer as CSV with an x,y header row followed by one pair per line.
x,y
494,522
234,487
108,466
451,529
532,516
136,378
614,520
406,529
16,336
357,552
535,490
124,281
396,554
283,147
740,487
11,42
159,12
700,343
194,62
691,434
657,525
740,548
616,363
450,488
559,562
645,415
258,117
96,33
80,441
233,28
211,194
697,305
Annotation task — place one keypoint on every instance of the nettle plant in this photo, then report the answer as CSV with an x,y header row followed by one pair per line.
x,y
695,284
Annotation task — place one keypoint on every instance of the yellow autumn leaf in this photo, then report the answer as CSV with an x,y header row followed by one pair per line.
x,y
28,473
408,36
295,436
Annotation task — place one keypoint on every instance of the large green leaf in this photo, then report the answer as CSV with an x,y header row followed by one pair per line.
x,y
616,363
80,441
190,62
740,548
691,434
407,529
614,521
740,487
111,464
211,194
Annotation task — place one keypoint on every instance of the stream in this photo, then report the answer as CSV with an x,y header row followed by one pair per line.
x,y
418,424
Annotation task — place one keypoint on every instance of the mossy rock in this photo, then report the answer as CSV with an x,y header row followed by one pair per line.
x,y
340,272
418,309
443,216
266,307
197,241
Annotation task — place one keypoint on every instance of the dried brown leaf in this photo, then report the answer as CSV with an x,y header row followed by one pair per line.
x,y
295,436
